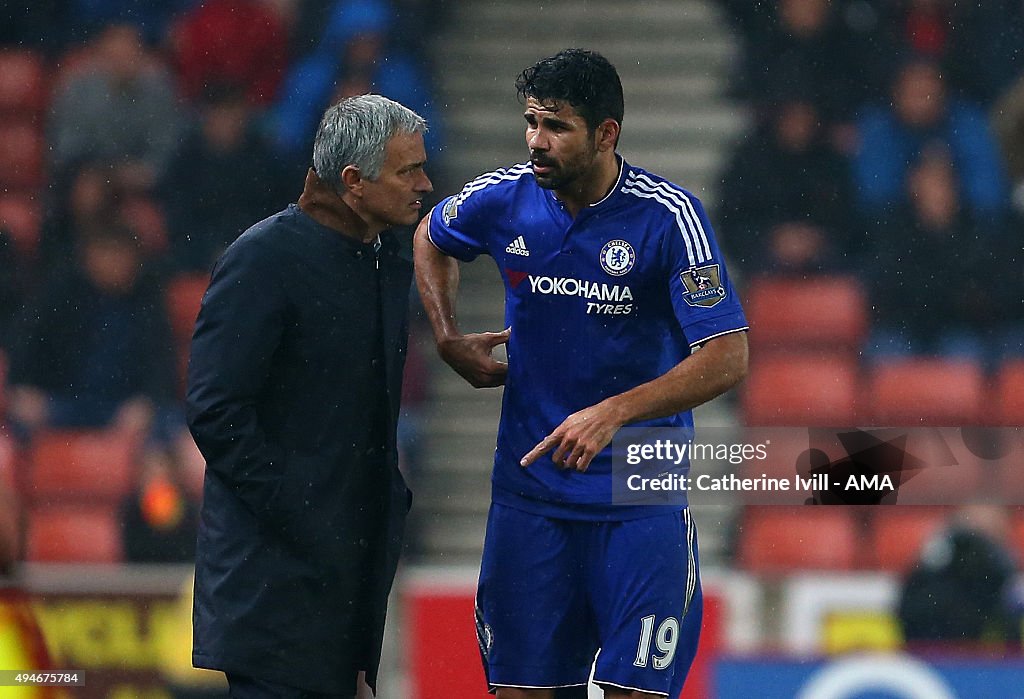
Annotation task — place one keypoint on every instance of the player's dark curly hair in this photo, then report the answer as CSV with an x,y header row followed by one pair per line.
x,y
585,79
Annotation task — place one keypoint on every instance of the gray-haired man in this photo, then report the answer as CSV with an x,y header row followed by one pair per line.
x,y
293,393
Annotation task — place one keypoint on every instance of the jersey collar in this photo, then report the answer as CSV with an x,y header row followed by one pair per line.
x,y
615,188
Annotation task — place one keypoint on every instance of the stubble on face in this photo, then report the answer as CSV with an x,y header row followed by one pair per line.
x,y
565,151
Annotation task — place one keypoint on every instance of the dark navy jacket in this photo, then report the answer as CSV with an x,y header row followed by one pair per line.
x,y
294,383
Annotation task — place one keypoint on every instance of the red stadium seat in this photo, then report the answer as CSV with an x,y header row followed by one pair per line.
x,y
774,539
1009,394
21,155
23,83
899,533
926,392
78,534
817,312
801,389
8,454
81,466
21,217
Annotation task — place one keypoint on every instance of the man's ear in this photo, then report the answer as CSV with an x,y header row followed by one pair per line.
x,y
607,135
352,179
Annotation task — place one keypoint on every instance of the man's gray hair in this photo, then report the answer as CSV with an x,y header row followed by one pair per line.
x,y
356,131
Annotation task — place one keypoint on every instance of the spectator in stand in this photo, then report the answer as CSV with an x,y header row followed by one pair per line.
x,y
92,194
354,57
922,114
96,351
223,177
242,42
85,197
159,522
807,45
979,45
151,17
786,196
54,25
120,108
931,270
962,592
923,28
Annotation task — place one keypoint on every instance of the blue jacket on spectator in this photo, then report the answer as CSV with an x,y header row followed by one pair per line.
x,y
888,147
310,84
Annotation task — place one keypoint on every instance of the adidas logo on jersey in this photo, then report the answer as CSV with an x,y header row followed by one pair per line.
x,y
518,247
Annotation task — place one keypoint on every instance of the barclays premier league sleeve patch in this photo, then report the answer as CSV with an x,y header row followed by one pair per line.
x,y
451,210
703,286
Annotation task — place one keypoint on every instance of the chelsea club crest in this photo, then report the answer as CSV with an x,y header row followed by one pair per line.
x,y
617,257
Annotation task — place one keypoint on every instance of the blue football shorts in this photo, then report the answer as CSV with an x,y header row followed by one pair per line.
x,y
553,593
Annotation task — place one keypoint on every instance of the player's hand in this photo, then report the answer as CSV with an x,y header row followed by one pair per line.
x,y
579,438
470,357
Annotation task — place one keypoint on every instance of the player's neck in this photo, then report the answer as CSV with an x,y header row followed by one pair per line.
x,y
593,186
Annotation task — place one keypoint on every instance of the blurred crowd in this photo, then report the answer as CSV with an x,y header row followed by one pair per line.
x,y
138,138
889,144
143,136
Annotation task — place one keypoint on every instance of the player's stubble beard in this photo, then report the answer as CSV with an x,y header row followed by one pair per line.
x,y
564,175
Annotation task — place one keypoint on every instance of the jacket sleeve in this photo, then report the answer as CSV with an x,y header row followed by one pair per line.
x,y
239,328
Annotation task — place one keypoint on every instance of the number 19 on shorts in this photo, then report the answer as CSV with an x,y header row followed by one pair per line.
x,y
665,641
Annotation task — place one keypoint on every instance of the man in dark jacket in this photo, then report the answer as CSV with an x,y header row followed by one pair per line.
x,y
94,350
293,397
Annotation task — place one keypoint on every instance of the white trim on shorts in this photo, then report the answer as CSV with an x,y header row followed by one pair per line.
x,y
632,689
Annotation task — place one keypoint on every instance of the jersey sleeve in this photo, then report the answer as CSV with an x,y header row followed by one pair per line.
x,y
458,225
702,295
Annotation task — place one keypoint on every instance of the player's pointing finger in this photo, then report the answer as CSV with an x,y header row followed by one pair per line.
x,y
542,448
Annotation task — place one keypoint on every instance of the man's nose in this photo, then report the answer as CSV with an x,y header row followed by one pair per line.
x,y
424,184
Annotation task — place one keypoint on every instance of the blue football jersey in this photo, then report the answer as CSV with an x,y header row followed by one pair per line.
x,y
597,304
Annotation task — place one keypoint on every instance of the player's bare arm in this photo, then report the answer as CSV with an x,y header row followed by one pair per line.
x,y
437,278
718,366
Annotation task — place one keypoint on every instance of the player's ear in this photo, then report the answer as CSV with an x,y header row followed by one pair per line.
x,y
608,135
352,179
